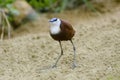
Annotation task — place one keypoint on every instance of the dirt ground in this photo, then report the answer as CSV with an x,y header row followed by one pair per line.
x,y
31,52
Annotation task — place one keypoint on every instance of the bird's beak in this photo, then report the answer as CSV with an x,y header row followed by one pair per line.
x,y
50,20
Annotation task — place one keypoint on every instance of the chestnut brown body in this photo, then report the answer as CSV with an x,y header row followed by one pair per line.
x,y
66,33
62,31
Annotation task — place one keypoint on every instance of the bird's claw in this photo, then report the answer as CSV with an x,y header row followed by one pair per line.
x,y
54,66
74,65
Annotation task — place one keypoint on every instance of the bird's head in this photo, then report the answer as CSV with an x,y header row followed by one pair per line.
x,y
55,22
55,25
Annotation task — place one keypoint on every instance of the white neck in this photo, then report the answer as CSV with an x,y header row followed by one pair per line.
x,y
55,27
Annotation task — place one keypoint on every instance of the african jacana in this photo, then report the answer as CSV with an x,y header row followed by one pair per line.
x,y
61,30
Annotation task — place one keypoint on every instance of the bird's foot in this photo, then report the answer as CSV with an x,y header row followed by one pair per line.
x,y
54,66
74,65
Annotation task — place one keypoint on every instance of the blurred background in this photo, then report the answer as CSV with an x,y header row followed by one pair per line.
x,y
35,13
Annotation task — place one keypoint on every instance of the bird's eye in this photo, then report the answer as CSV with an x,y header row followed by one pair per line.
x,y
55,19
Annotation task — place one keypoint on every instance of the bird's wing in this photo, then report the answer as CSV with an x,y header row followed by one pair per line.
x,y
66,25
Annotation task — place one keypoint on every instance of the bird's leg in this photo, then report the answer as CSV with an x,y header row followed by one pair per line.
x,y
59,56
74,58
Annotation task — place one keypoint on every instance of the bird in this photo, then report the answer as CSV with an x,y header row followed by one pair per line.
x,y
61,30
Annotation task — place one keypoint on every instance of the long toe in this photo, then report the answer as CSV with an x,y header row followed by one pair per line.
x,y
54,66
74,65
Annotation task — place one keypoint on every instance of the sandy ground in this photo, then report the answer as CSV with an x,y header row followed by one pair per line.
x,y
31,52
